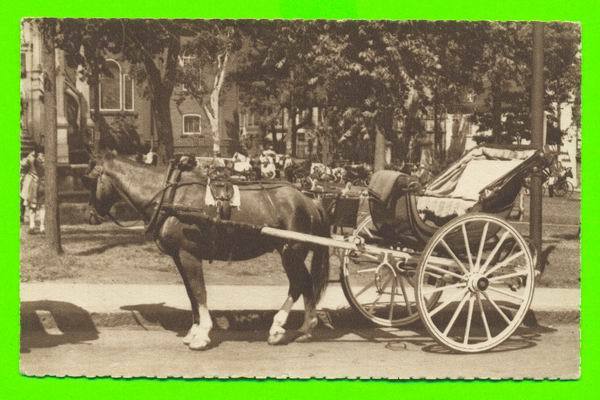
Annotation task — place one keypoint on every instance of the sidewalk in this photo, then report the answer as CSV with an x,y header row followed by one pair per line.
x,y
50,305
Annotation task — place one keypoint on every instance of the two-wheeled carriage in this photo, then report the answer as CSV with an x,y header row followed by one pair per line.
x,y
444,254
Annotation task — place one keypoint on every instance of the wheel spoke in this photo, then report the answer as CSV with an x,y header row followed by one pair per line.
x,y
456,312
449,250
445,271
363,271
514,274
406,299
505,293
503,263
494,251
370,307
442,288
364,289
469,316
467,246
434,275
483,317
481,244
394,285
493,303
450,300
367,255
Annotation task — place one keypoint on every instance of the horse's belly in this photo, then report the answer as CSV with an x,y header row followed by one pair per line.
x,y
234,246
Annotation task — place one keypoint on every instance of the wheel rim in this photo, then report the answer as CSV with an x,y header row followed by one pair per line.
x,y
488,283
381,292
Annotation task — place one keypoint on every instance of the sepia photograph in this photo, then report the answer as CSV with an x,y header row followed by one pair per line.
x,y
338,199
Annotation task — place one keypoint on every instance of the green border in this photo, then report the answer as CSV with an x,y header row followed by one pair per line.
x,y
12,385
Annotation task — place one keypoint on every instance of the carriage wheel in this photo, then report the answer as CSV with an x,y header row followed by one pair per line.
x,y
381,292
488,272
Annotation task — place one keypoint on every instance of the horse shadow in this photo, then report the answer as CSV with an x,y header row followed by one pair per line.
x,y
47,323
339,325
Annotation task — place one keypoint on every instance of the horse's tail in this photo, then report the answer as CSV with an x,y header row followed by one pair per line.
x,y
319,268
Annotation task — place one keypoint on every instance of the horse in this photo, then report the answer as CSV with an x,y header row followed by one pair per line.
x,y
278,205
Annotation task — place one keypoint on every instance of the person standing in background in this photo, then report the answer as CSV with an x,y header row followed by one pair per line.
x,y
32,189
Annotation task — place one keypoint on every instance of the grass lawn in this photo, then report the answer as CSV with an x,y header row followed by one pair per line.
x,y
107,254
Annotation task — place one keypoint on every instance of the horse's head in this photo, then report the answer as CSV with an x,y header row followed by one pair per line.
x,y
103,194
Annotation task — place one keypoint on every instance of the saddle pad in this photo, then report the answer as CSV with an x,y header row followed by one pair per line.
x,y
236,200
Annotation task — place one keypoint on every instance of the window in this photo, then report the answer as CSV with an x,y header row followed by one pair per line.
x,y
191,124
127,93
116,89
110,87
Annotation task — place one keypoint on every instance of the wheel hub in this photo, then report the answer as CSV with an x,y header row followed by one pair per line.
x,y
478,283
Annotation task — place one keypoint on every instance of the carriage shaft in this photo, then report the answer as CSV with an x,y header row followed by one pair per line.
x,y
341,242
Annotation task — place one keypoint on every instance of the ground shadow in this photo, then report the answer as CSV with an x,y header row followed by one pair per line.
x,y
340,325
48,323
108,242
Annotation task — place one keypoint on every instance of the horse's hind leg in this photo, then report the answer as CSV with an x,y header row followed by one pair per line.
x,y
292,260
310,316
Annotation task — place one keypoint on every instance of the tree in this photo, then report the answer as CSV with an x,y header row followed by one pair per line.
x,y
505,76
372,67
204,67
151,47
275,73
48,28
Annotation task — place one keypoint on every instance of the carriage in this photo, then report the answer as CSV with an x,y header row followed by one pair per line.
x,y
444,254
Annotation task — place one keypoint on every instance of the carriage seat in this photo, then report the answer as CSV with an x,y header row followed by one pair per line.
x,y
460,192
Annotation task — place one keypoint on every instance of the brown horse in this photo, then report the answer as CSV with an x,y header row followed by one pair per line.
x,y
275,205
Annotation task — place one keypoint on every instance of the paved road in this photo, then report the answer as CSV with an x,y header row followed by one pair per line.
x,y
532,353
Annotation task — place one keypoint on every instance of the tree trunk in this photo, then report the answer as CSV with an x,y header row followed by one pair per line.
x,y
164,129
291,132
100,124
496,114
560,133
437,134
51,155
379,157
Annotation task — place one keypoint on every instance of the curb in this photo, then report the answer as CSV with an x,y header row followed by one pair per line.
x,y
34,318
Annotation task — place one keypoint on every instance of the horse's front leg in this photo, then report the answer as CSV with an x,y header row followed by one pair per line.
x,y
198,338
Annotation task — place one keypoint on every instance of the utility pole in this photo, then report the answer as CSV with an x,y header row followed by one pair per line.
x,y
537,128
50,146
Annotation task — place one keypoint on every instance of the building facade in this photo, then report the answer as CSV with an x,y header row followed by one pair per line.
x,y
123,105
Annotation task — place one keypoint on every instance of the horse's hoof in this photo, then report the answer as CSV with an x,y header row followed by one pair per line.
x,y
276,338
199,343
304,338
187,339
